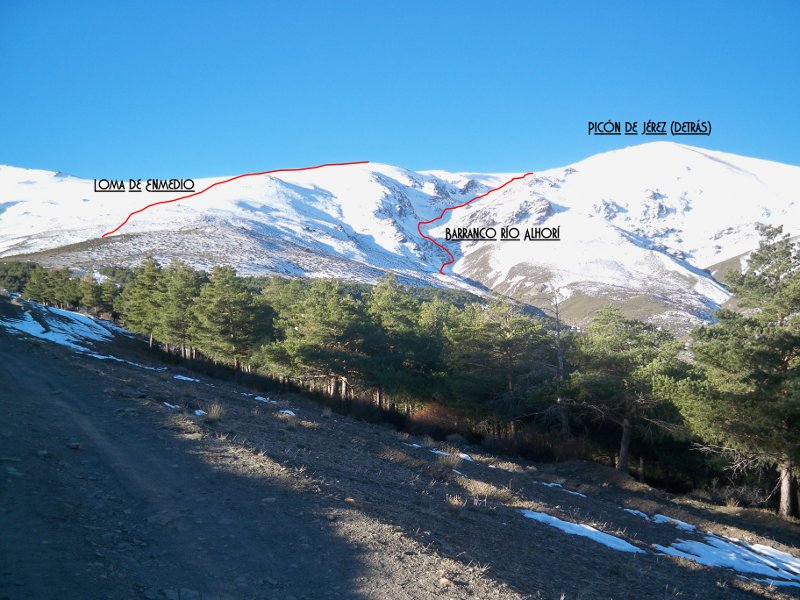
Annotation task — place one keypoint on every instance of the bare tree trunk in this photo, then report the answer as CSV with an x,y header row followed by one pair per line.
x,y
151,339
788,502
625,443
641,469
563,415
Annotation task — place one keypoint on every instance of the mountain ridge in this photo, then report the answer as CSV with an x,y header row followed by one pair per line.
x,y
639,226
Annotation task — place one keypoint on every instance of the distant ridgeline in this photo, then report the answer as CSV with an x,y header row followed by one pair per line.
x,y
491,369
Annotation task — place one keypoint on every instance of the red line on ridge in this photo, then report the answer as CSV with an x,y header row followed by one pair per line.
x,y
128,218
450,254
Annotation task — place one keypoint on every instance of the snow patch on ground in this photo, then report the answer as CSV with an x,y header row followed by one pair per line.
x,y
461,455
70,329
122,360
30,326
679,524
659,519
263,399
582,530
184,378
563,489
781,568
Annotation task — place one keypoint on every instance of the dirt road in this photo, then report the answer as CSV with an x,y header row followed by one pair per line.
x,y
101,499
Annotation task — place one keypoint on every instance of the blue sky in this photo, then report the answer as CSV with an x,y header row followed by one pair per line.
x,y
140,89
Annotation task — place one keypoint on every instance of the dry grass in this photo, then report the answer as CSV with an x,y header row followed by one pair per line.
x,y
215,412
428,442
506,465
452,459
455,502
483,489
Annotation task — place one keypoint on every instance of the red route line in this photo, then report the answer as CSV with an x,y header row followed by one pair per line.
x,y
136,212
450,254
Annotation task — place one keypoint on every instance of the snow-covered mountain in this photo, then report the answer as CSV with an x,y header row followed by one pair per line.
x,y
638,226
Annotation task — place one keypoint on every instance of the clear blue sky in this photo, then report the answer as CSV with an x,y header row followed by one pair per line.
x,y
192,89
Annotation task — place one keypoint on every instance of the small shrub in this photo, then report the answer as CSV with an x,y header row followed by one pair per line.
x,y
215,412
455,502
452,459
736,496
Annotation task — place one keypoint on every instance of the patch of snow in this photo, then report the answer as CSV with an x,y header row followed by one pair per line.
x,y
200,412
122,360
264,400
679,524
582,530
286,411
776,582
660,519
563,489
70,329
79,325
574,493
458,472
168,405
465,457
779,567
184,378
30,326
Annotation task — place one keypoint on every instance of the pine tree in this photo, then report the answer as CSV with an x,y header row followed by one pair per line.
x,y
14,275
108,295
401,358
620,362
224,317
36,287
140,301
322,337
746,393
90,293
177,316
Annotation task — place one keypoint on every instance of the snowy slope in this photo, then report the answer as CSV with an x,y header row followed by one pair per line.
x,y
636,224
641,222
